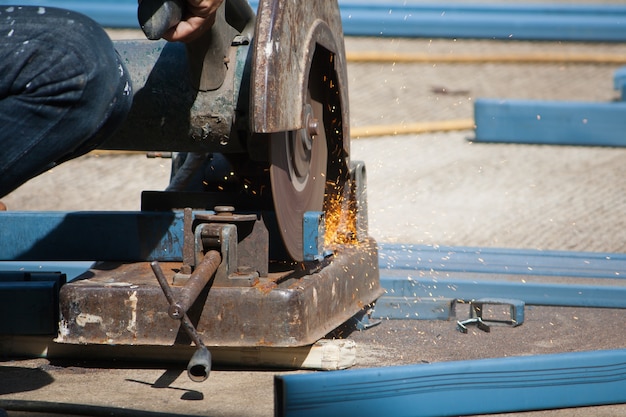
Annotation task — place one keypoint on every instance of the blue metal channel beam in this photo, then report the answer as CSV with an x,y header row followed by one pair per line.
x,y
71,269
490,21
422,282
399,18
406,291
448,259
550,122
458,388
89,236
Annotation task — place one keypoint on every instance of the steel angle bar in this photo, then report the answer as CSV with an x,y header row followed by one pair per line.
x,y
84,236
446,259
458,388
550,122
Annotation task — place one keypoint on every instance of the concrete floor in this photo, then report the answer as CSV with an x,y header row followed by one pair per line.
x,y
434,188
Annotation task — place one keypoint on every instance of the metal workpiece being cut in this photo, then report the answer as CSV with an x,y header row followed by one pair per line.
x,y
260,239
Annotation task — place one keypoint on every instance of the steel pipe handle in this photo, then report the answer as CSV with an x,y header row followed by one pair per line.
x,y
157,16
199,365
197,282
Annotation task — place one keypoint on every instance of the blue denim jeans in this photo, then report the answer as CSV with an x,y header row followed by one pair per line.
x,y
63,90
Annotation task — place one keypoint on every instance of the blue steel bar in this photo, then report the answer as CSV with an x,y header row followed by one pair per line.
x,y
422,282
465,259
564,22
458,388
85,236
550,122
567,23
71,269
404,294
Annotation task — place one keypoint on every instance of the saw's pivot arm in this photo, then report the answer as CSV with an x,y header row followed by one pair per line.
x,y
260,101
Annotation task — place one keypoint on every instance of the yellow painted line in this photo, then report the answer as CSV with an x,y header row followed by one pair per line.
x,y
102,152
411,128
517,58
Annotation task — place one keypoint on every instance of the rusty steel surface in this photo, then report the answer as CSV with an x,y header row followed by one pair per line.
x,y
168,113
286,37
124,305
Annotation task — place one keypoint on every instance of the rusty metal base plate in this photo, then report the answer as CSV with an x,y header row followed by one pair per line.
x,y
123,304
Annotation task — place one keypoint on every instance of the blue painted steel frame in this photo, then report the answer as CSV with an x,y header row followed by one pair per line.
x,y
458,388
571,22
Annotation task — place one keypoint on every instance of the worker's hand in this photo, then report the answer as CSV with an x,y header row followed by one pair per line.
x,y
199,18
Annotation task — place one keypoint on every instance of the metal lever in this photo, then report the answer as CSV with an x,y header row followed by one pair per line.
x,y
199,366
157,16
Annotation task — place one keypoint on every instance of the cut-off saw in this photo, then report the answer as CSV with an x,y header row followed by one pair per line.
x,y
260,239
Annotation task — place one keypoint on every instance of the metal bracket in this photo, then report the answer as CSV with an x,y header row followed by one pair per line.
x,y
358,174
313,230
242,240
363,320
478,309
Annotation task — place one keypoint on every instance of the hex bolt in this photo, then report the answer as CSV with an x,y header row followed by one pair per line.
x,y
313,127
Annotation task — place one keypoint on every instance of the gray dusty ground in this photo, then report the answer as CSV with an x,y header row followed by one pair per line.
x,y
434,188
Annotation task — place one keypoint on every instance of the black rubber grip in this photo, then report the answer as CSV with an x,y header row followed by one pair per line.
x,y
157,16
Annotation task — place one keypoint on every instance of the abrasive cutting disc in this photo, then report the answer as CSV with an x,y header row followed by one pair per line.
x,y
300,100
298,176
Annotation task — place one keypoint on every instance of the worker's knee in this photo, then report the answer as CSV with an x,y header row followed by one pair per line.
x,y
63,89
61,59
